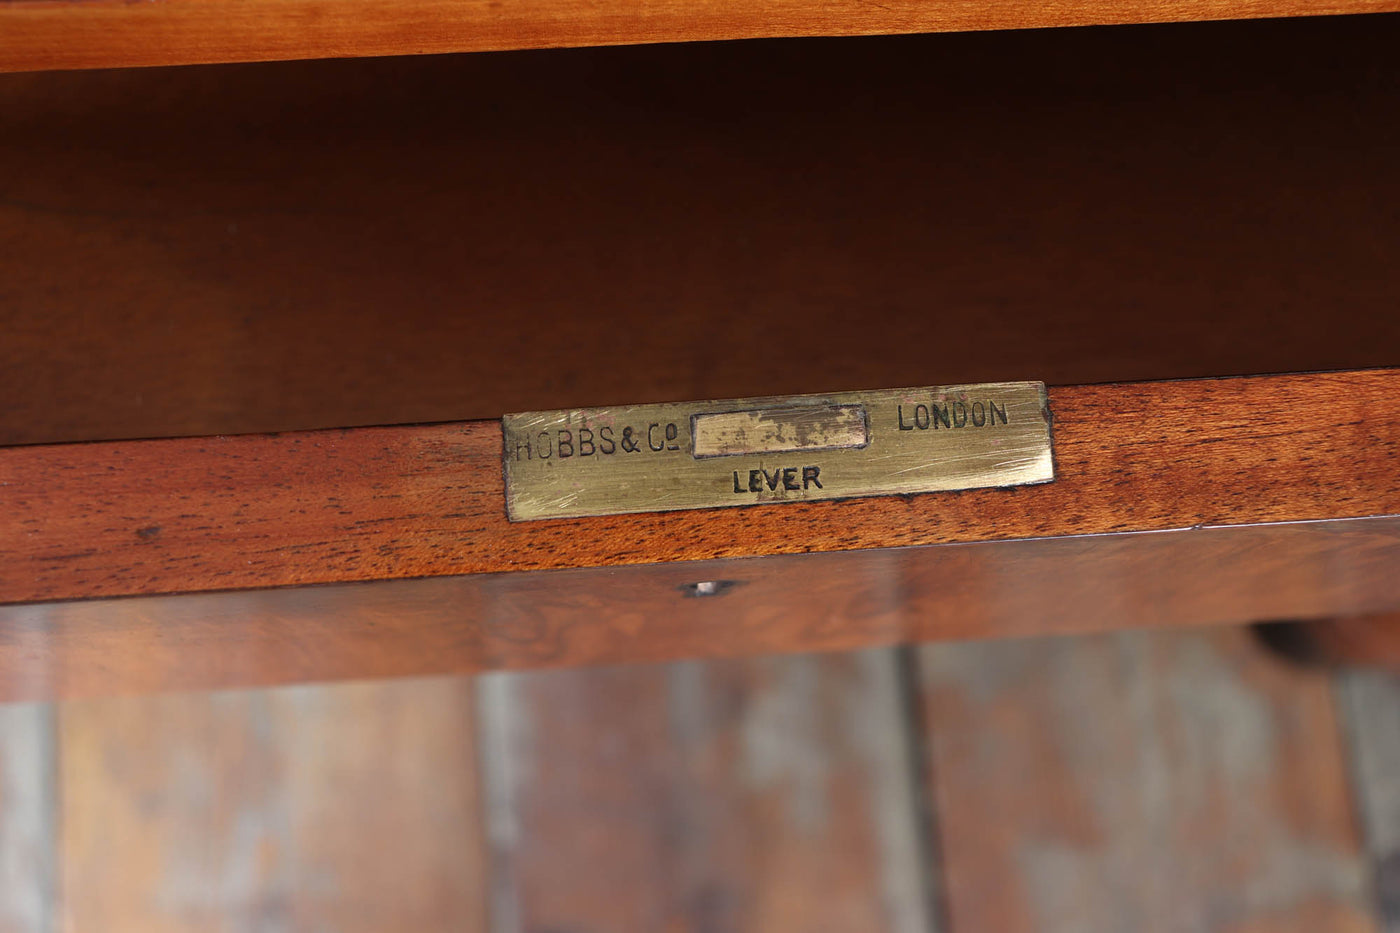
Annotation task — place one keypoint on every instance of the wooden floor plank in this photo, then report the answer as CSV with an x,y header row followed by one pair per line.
x,y
27,818
1166,781
1172,781
1372,703
348,808
771,794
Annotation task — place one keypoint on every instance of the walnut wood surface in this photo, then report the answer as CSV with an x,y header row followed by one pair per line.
x,y
329,244
45,34
190,514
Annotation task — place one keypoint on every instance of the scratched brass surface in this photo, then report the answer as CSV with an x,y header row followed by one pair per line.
x,y
757,451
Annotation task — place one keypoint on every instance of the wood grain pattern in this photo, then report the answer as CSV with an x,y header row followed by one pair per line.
x,y
816,602
756,795
42,34
1163,781
349,808
321,245
149,517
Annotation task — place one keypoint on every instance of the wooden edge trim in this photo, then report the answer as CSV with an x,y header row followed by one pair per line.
x,y
60,34
250,512
706,609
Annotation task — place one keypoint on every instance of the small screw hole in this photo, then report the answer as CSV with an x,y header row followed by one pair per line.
x,y
706,588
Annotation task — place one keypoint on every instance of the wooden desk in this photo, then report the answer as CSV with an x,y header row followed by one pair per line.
x,y
219,283
223,250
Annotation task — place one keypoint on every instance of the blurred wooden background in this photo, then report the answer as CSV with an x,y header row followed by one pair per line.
x,y
1176,781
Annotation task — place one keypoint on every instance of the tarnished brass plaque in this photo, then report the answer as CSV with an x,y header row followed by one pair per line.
x,y
754,451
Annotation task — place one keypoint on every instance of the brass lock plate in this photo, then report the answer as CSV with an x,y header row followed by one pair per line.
x,y
757,451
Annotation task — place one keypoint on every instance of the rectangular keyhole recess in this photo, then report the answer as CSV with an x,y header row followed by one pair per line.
x,y
778,430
